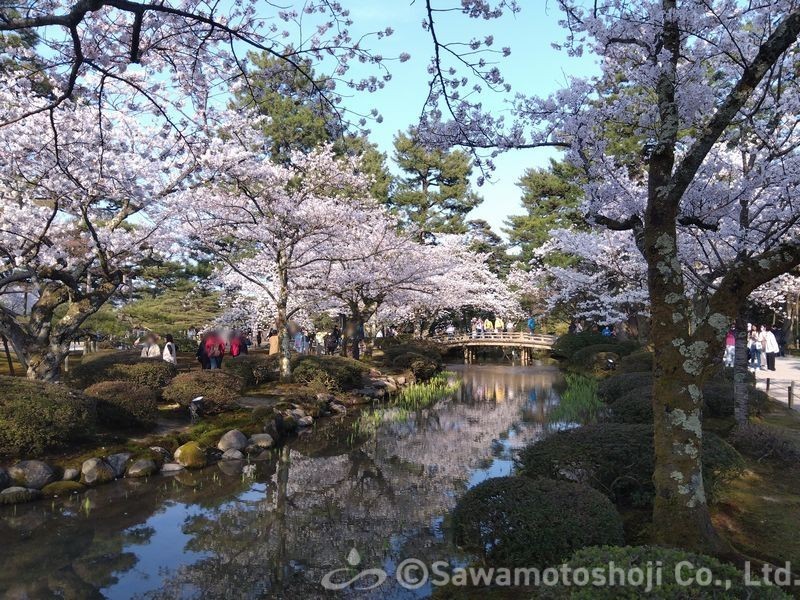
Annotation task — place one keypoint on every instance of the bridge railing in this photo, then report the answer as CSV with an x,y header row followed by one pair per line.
x,y
521,337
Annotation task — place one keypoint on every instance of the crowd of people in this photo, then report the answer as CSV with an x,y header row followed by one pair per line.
x,y
764,344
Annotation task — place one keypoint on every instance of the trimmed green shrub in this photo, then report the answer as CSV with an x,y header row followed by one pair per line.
x,y
618,460
253,369
587,358
635,406
335,372
615,386
423,367
568,344
122,366
219,390
124,404
718,399
641,557
763,442
520,522
431,350
634,393
37,417
150,373
636,362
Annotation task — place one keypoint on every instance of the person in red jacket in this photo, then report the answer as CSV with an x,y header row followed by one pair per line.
x,y
236,344
215,350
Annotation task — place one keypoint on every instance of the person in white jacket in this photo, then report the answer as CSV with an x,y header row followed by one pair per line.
x,y
150,347
771,348
170,354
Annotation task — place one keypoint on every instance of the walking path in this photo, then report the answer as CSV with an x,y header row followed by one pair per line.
x,y
787,370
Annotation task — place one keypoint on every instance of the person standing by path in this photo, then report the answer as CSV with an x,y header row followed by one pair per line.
x,y
755,350
215,350
201,355
771,348
730,348
170,353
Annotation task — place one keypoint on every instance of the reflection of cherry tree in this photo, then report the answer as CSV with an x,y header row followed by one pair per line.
x,y
386,497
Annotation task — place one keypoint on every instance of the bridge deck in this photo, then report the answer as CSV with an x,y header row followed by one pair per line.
x,y
516,339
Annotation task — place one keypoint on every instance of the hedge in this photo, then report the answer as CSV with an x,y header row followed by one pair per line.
x,y
568,344
423,367
586,357
615,386
219,390
618,460
627,558
636,362
520,522
124,404
429,349
37,417
253,369
633,393
764,442
335,372
122,366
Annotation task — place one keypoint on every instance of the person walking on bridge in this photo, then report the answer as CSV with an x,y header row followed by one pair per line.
x,y
499,325
488,326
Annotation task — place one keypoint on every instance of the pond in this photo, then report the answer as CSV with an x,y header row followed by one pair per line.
x,y
277,529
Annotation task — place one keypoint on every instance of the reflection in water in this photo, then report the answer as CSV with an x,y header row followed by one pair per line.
x,y
215,534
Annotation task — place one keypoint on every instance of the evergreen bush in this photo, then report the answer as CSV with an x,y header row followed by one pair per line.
x,y
520,522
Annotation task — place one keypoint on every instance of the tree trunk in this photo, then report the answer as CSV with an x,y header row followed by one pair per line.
x,y
680,510
740,393
44,364
285,355
8,357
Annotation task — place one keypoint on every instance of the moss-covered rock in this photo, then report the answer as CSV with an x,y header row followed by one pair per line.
x,y
142,467
59,489
19,495
96,471
191,456
32,474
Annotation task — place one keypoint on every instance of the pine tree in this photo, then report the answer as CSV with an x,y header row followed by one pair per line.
x,y
485,241
434,192
551,198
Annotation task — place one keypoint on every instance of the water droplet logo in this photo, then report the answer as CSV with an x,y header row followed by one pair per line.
x,y
331,580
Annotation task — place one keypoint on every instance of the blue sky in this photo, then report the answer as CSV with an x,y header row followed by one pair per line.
x,y
534,68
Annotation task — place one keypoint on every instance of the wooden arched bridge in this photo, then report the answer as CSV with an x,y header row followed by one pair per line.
x,y
522,341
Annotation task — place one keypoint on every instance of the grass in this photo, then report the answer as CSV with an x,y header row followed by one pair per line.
x,y
579,402
759,511
411,399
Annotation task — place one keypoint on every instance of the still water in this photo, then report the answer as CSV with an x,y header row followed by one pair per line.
x,y
219,533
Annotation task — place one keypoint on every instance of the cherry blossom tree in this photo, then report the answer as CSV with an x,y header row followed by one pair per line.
x,y
273,227
702,87
75,218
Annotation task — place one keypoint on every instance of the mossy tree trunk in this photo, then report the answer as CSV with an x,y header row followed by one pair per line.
x,y
740,392
686,339
282,324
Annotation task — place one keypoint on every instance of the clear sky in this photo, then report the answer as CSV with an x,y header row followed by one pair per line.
x,y
534,68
